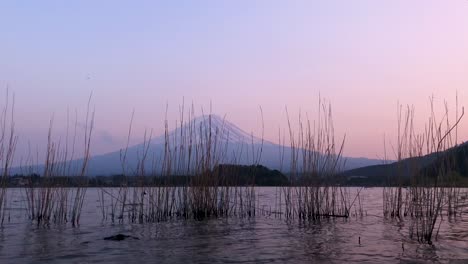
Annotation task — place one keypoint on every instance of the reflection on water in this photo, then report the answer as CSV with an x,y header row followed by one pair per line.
x,y
368,239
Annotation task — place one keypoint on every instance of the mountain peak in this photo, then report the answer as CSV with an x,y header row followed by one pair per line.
x,y
219,126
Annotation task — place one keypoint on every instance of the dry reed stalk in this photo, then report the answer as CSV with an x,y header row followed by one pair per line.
x,y
315,191
8,141
193,151
53,201
431,189
80,191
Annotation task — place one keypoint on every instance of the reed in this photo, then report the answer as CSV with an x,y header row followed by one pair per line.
x,y
53,201
394,198
80,191
432,188
198,152
118,199
315,190
8,141
195,151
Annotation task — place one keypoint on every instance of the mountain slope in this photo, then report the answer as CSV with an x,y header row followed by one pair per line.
x,y
237,146
426,165
230,143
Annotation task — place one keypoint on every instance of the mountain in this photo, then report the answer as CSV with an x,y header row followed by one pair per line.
x,y
230,143
430,165
238,146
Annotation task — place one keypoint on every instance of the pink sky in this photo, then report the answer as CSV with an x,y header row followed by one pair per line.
x,y
363,56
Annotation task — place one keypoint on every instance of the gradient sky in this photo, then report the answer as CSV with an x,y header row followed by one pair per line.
x,y
363,56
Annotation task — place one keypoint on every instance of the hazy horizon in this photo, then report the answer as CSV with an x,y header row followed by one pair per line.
x,y
361,56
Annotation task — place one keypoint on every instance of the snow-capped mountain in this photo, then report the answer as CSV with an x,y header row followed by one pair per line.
x,y
219,127
227,144
233,145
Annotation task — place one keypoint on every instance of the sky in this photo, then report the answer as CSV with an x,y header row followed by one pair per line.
x,y
364,57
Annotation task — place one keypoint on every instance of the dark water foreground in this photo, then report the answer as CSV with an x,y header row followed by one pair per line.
x,y
260,240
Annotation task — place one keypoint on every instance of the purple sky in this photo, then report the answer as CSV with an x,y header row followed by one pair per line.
x,y
363,56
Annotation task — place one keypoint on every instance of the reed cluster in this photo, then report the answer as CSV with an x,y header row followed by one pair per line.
x,y
199,151
426,161
196,149
54,201
8,140
316,159
200,146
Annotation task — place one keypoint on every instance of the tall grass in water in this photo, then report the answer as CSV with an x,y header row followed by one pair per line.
x,y
194,152
80,191
394,198
431,187
53,200
315,190
8,140
119,201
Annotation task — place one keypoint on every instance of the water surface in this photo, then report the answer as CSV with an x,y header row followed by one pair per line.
x,y
263,239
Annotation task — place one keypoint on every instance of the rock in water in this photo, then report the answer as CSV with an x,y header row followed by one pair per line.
x,y
119,237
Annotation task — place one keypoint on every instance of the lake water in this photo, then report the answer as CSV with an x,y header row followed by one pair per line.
x,y
263,239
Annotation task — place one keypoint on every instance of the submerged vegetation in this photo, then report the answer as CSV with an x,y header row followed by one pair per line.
x,y
195,178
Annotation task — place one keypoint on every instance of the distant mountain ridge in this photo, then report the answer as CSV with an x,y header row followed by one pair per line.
x,y
234,145
429,164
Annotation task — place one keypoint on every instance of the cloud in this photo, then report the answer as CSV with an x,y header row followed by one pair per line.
x,y
105,137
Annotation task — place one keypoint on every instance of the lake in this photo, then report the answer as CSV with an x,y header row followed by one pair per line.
x,y
262,239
